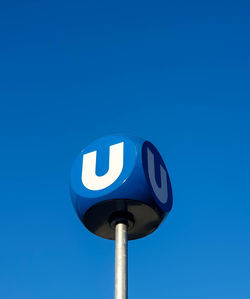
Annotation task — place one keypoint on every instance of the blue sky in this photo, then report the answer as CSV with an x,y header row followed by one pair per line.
x,y
174,72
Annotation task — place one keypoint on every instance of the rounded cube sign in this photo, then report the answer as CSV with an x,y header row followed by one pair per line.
x,y
116,177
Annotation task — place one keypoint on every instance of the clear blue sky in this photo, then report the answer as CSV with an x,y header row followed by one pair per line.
x,y
174,72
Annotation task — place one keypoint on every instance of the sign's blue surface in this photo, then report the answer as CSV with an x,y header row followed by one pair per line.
x,y
116,168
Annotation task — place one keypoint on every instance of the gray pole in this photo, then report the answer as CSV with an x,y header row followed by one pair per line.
x,y
121,261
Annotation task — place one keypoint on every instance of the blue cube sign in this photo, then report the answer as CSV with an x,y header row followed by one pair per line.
x,y
120,174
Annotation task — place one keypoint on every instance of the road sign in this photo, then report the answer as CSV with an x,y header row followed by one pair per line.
x,y
120,189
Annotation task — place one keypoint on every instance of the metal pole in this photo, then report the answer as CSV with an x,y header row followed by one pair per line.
x,y
121,261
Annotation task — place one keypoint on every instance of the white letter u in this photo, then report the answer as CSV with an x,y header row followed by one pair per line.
x,y
89,178
160,192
